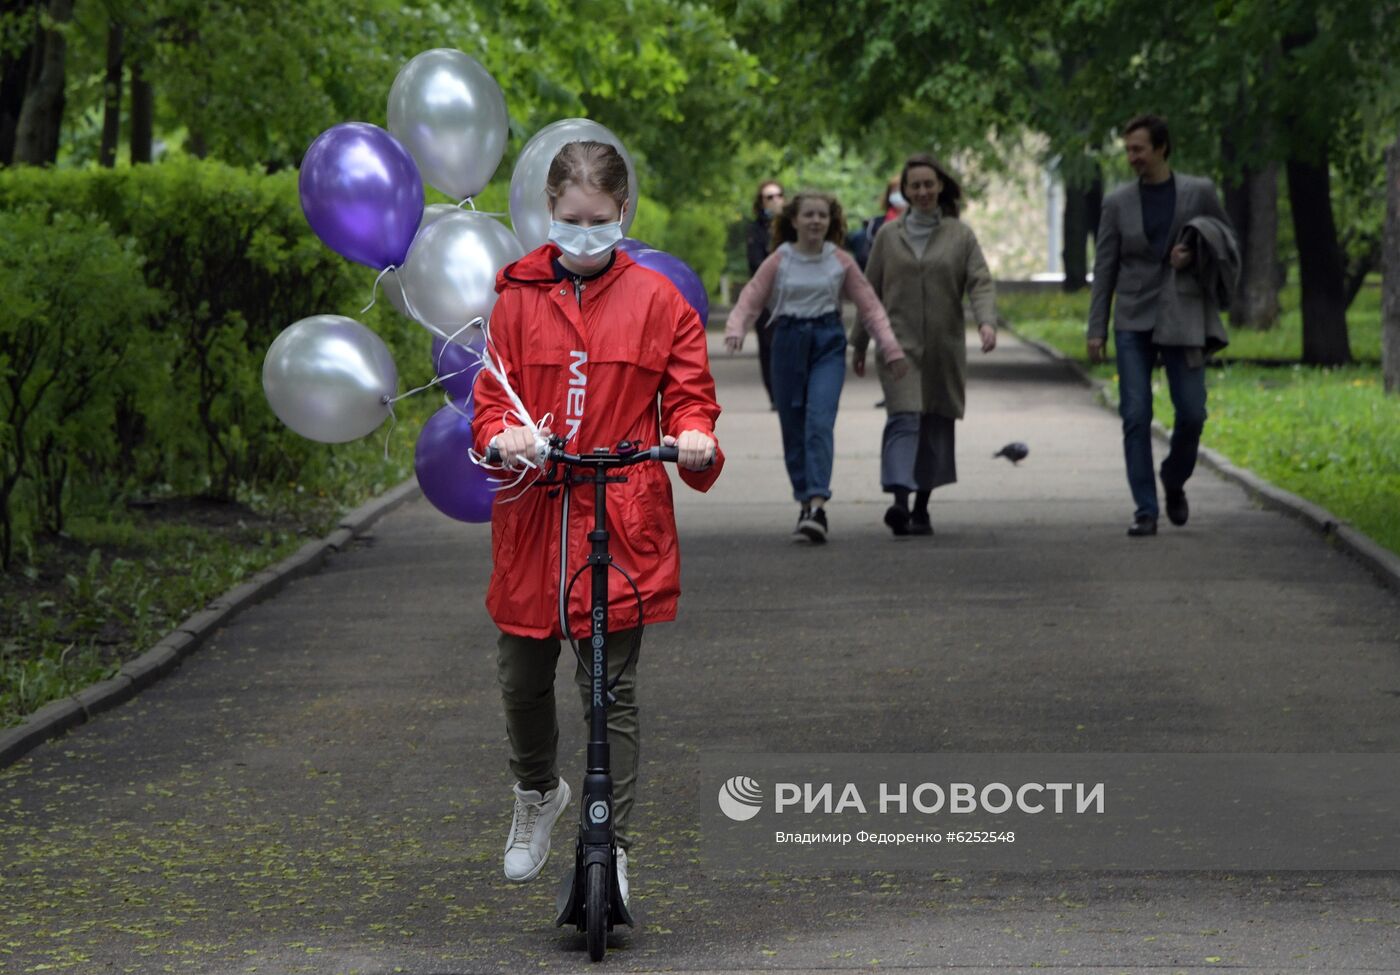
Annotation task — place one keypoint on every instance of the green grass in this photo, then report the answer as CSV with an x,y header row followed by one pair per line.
x,y
80,606
1059,319
1329,435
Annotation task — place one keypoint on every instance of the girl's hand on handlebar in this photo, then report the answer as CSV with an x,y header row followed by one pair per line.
x,y
517,443
697,450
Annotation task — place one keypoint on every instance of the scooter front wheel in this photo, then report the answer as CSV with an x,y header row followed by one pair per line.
x,y
595,910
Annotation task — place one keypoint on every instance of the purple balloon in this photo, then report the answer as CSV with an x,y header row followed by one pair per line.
x,y
450,480
361,193
687,282
630,244
449,357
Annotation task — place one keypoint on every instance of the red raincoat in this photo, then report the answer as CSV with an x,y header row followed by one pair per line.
x,y
598,361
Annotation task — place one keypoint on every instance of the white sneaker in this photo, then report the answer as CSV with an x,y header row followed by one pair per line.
x,y
622,874
527,847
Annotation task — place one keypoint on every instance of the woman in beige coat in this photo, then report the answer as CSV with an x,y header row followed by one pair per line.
x,y
921,266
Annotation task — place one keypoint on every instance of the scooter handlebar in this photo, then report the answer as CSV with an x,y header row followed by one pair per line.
x,y
667,455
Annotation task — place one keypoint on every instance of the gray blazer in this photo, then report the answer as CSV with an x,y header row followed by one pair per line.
x,y
1191,303
1124,261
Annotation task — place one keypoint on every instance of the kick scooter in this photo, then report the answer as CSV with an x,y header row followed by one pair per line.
x,y
589,897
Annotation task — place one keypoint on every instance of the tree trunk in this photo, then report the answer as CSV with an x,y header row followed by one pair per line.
x,y
1358,267
1390,261
142,112
1253,208
1081,222
41,116
1320,265
1075,252
112,98
14,79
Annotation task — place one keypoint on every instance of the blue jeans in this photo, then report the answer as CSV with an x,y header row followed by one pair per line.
x,y
809,367
1136,355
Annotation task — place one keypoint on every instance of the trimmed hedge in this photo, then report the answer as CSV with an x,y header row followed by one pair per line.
x,y
156,291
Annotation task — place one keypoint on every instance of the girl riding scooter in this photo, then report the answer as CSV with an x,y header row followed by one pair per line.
x,y
596,341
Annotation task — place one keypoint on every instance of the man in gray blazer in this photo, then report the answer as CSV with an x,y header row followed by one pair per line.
x,y
1138,255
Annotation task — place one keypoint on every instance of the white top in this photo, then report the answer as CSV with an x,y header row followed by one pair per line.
x,y
808,285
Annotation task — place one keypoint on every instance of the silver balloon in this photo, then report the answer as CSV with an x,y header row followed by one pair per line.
x,y
529,208
449,276
393,286
451,115
329,378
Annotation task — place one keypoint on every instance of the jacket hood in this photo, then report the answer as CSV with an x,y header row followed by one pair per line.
x,y
536,269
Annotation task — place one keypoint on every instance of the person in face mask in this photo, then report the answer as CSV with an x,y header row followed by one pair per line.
x,y
611,351
767,203
891,204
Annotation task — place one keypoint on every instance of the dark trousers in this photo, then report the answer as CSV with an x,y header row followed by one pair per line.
x,y
1136,356
525,670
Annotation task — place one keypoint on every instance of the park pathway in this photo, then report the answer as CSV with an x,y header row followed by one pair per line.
x,y
323,787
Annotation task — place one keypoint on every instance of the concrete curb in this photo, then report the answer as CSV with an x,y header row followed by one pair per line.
x,y
1384,563
58,717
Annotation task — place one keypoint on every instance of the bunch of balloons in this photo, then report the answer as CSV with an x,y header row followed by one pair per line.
x,y
330,378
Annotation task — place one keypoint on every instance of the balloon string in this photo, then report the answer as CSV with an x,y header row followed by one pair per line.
x,y
436,380
478,320
393,421
517,413
467,201
374,292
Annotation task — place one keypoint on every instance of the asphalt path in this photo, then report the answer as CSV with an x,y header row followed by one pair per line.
x,y
323,787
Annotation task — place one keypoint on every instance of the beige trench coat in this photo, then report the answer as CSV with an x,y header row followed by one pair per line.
x,y
924,299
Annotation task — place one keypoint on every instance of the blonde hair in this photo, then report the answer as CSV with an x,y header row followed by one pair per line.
x,y
593,165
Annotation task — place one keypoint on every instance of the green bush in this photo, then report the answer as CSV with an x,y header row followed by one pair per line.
x,y
236,263
695,233
74,315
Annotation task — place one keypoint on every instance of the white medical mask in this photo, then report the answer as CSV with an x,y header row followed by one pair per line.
x,y
897,199
586,246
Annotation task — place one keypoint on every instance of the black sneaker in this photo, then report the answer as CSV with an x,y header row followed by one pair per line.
x,y
919,523
814,526
1177,508
897,517
802,518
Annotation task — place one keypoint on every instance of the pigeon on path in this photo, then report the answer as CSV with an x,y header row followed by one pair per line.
x,y
1014,452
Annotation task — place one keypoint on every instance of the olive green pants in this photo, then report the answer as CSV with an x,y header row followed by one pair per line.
x,y
525,668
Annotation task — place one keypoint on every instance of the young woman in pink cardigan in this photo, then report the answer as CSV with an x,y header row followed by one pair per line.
x,y
802,283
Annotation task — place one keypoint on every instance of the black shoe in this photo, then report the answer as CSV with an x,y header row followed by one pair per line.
x,y
897,517
814,526
1143,525
802,517
919,523
1177,508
